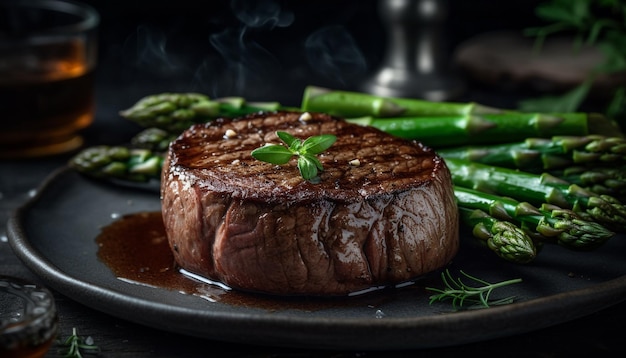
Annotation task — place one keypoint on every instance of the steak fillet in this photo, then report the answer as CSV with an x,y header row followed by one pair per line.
x,y
383,213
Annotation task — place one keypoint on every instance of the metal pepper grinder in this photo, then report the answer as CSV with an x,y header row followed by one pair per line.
x,y
415,64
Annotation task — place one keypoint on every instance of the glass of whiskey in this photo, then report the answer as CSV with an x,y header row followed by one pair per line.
x,y
48,54
28,318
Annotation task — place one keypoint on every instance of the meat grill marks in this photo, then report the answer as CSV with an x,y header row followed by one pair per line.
x,y
261,227
386,163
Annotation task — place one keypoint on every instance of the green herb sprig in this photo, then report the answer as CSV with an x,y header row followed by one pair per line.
x,y
306,151
600,23
75,343
460,292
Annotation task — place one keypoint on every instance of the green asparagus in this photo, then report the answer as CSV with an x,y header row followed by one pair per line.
x,y
155,139
502,237
119,162
366,107
539,154
355,104
175,112
600,180
538,189
548,223
457,130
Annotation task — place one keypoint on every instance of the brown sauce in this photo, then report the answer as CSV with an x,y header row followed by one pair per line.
x,y
136,250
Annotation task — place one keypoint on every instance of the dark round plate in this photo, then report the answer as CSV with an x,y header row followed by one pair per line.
x,y
54,235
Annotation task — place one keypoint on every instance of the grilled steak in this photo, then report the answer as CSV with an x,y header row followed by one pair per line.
x,y
383,213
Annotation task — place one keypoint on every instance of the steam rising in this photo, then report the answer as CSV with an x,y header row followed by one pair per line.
x,y
261,14
152,52
248,63
332,52
246,53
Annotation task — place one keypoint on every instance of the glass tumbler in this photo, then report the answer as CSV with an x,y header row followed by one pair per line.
x,y
48,54
28,319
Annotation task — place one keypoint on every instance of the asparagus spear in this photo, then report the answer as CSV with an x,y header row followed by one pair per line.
x,y
154,139
457,130
548,222
538,189
355,104
175,112
545,153
580,160
600,180
119,162
502,237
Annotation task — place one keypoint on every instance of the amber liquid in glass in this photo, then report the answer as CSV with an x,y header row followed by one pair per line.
x,y
26,351
28,319
45,100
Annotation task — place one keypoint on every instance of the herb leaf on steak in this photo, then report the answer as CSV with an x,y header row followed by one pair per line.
x,y
308,164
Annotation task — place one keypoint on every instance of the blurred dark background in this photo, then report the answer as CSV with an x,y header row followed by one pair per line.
x,y
264,49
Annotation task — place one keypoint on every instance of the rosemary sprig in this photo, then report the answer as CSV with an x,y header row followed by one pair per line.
x,y
75,343
460,292
306,151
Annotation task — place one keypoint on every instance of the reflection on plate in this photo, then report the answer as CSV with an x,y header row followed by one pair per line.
x,y
54,235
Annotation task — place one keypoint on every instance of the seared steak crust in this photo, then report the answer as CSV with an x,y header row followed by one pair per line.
x,y
386,218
